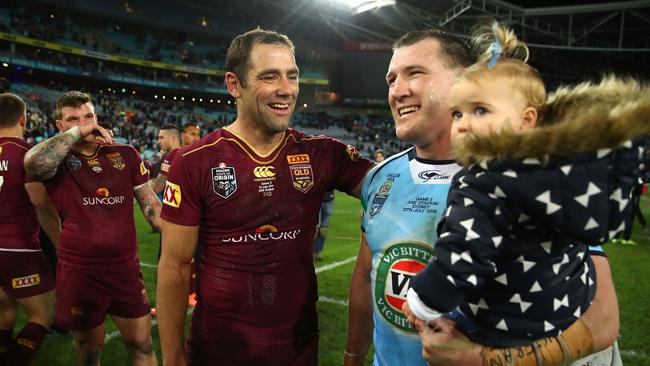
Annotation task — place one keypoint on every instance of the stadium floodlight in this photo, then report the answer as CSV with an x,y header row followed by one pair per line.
x,y
361,6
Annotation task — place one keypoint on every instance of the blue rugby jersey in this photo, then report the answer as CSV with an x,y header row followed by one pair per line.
x,y
403,200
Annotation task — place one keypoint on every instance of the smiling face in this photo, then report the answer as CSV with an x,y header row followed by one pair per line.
x,y
487,105
418,89
271,88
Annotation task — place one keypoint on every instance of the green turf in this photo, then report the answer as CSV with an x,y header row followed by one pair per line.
x,y
630,267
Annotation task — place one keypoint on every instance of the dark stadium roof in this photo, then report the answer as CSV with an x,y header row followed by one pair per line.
x,y
569,39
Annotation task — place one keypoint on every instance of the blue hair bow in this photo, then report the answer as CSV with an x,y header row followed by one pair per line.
x,y
496,50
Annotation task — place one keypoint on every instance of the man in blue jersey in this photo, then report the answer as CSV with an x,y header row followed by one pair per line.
x,y
403,201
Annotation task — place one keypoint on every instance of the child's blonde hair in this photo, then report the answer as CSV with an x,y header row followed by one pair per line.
x,y
502,55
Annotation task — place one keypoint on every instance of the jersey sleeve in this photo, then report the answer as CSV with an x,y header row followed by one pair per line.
x,y
366,187
181,201
139,172
350,167
596,250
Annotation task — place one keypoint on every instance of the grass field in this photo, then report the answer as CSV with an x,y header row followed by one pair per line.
x,y
630,267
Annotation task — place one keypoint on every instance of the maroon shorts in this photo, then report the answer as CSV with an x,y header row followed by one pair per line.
x,y
84,295
204,348
25,274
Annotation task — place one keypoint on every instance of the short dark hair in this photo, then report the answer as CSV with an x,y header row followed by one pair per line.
x,y
239,53
173,129
11,109
74,99
192,124
454,50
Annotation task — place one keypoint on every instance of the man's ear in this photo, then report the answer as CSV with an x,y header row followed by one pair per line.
x,y
59,125
233,84
529,118
22,120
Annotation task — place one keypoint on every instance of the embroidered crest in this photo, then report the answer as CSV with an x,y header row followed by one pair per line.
x,y
74,163
303,177
224,180
380,198
117,161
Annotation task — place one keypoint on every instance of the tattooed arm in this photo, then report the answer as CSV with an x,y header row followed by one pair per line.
x,y
42,160
149,204
158,183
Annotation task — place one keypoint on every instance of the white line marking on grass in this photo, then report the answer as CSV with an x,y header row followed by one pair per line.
x,y
335,264
349,238
148,265
333,301
635,354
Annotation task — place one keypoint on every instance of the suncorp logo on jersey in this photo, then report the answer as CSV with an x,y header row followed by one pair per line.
x,y
103,197
264,233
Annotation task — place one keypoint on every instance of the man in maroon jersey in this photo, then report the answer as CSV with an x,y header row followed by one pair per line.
x,y
191,132
93,183
250,193
25,277
169,140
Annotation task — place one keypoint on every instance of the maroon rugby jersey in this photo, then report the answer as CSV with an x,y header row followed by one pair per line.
x,y
167,162
94,197
18,223
257,217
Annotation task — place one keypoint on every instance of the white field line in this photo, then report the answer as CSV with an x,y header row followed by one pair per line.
x,y
635,354
148,265
333,301
349,238
112,335
335,264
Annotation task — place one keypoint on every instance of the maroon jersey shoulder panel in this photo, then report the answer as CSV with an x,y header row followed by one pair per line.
x,y
94,197
167,162
18,223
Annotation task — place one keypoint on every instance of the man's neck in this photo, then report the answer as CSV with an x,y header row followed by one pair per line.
x,y
257,139
172,149
435,151
15,131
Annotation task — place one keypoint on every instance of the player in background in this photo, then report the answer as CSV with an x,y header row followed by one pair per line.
x,y
169,141
25,278
93,184
191,132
